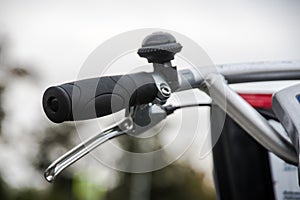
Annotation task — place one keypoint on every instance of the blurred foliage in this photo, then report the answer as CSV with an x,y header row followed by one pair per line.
x,y
83,189
19,72
57,140
173,182
177,181
2,114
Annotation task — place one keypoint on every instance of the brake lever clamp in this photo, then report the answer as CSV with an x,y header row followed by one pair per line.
x,y
160,48
145,117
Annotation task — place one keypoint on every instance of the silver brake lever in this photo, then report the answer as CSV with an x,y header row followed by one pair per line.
x,y
126,126
85,147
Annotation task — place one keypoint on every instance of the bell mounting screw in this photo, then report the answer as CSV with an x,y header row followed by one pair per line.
x,y
159,47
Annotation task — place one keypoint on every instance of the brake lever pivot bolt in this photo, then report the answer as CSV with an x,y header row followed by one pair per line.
x,y
165,90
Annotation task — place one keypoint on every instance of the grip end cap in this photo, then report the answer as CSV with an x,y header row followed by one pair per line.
x,y
57,104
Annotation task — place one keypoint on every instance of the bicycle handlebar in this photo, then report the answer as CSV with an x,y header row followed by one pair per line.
x,y
97,97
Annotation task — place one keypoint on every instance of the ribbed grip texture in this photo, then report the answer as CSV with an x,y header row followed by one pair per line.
x,y
97,97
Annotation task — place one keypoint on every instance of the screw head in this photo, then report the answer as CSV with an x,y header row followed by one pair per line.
x,y
165,90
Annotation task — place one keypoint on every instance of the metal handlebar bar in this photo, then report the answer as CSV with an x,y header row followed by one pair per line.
x,y
148,101
249,119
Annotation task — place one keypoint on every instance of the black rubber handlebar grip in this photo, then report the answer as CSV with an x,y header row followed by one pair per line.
x,y
97,97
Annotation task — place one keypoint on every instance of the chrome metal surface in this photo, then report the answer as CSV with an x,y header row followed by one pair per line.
x,y
194,76
85,147
126,126
249,119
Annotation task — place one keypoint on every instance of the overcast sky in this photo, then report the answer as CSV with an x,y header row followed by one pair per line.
x,y
59,35
56,37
